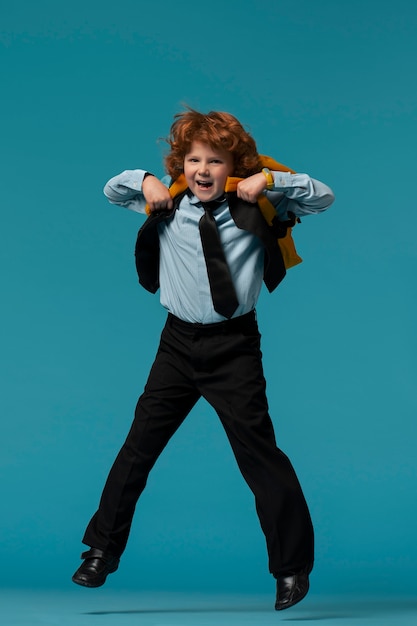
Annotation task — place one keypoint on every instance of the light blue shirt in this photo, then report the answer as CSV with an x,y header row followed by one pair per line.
x,y
184,285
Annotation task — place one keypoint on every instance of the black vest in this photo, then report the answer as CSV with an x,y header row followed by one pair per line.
x,y
245,215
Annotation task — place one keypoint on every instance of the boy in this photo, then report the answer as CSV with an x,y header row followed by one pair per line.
x,y
210,345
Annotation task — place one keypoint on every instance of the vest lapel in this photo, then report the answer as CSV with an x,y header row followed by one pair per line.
x,y
248,217
147,247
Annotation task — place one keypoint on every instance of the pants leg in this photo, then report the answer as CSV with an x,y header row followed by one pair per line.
x,y
168,397
232,381
222,363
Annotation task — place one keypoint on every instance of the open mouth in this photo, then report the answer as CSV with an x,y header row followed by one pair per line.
x,y
204,184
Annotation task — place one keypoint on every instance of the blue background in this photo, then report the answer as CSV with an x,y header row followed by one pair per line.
x,y
328,88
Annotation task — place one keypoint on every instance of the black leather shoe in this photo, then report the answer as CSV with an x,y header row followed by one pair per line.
x,y
95,569
291,589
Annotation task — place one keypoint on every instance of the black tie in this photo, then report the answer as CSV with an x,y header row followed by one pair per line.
x,y
222,289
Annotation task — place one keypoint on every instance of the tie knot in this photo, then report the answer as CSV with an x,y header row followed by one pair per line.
x,y
214,204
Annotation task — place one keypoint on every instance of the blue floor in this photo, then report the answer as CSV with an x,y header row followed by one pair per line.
x,y
88,607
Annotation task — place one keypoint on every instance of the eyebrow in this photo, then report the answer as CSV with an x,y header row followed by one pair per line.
x,y
191,155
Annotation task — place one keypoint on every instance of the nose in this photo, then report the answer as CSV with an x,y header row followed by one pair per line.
x,y
203,169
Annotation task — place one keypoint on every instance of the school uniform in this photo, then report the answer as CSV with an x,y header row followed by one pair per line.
x,y
202,354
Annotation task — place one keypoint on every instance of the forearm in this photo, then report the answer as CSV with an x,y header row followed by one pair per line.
x,y
125,190
302,194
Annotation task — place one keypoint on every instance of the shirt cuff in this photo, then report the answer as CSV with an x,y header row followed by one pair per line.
x,y
284,180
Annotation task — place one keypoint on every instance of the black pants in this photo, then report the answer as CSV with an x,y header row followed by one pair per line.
x,y
223,363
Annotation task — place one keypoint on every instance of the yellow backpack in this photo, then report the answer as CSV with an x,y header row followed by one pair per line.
x,y
286,242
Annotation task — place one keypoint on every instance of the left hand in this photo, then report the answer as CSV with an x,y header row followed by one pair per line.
x,y
250,188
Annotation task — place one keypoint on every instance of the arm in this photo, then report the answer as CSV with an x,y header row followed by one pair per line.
x,y
292,192
134,189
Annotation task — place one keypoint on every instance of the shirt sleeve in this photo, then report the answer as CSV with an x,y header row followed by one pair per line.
x,y
125,190
299,194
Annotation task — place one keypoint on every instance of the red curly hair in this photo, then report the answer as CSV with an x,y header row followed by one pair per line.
x,y
219,130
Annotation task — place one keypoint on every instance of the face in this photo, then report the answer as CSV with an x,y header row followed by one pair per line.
x,y
206,170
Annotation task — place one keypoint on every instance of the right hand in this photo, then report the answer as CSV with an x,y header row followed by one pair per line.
x,y
156,194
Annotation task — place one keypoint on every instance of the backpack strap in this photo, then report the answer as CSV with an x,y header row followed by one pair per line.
x,y
282,229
